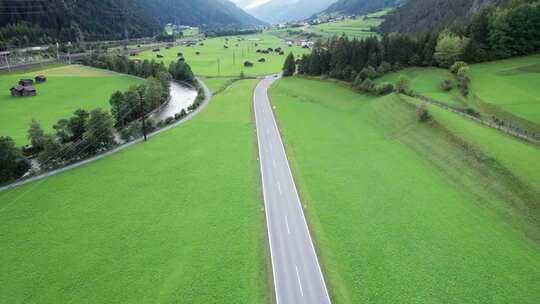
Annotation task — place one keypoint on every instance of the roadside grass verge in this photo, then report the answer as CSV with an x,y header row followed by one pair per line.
x,y
67,89
404,212
175,220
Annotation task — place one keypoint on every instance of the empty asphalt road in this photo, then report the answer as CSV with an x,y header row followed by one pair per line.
x,y
297,275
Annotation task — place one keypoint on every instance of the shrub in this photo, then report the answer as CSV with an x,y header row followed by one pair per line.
x,y
384,88
458,65
169,120
422,114
463,80
403,85
447,85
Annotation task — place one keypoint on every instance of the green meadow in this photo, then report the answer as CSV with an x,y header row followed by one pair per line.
x,y
216,60
361,27
67,89
508,89
175,220
404,212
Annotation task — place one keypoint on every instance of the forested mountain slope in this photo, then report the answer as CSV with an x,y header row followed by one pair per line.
x,y
425,15
70,20
360,6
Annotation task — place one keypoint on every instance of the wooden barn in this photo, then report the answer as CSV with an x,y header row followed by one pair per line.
x,y
23,91
26,82
41,79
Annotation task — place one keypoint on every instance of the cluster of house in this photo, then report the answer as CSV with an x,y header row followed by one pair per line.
x,y
26,86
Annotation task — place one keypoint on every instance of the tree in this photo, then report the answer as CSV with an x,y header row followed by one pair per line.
x,y
368,73
463,80
422,113
152,95
99,131
12,163
456,66
62,130
289,67
119,108
449,49
36,135
77,124
53,153
403,85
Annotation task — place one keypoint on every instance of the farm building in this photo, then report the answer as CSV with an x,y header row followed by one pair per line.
x,y
26,82
41,79
23,91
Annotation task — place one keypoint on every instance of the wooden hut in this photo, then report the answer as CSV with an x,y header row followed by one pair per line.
x,y
41,79
26,82
17,90
248,64
262,60
29,91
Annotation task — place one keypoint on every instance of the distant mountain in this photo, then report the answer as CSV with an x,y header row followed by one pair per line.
x,y
108,19
360,6
278,11
423,15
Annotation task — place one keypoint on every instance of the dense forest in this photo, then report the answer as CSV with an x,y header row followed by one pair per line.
x,y
512,29
425,15
26,22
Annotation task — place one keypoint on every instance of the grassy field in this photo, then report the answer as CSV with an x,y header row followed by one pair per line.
x,y
216,60
184,223
402,212
67,89
508,89
361,27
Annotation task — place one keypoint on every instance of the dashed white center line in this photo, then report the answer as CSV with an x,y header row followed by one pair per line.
x,y
287,225
279,188
299,282
274,163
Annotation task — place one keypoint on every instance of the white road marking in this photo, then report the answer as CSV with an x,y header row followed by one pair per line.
x,y
299,282
279,188
274,163
287,225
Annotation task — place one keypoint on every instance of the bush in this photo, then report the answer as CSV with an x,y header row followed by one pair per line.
x,y
169,120
463,80
384,88
12,163
447,85
456,66
403,85
422,114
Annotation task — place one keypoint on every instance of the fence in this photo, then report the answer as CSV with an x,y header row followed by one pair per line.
x,y
503,129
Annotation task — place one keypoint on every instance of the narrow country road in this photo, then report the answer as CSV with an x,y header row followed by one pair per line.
x,y
297,274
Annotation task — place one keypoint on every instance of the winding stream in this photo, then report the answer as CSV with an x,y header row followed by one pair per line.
x,y
181,98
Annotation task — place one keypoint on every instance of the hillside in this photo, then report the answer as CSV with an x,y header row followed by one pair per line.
x,y
360,6
277,11
70,20
422,15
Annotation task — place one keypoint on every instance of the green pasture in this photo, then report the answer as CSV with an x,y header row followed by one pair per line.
x,y
216,60
508,89
403,212
361,27
175,220
218,84
67,89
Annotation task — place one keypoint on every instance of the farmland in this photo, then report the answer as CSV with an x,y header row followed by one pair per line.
x,y
507,89
404,212
183,224
67,89
216,60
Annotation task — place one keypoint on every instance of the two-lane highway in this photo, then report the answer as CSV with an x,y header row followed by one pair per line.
x,y
297,274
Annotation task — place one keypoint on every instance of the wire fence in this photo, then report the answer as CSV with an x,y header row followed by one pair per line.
x,y
532,139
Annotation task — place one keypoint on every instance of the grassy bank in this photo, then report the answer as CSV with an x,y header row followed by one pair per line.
x,y
404,212
67,89
175,220
508,89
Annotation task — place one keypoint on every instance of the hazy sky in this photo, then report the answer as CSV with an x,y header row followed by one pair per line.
x,y
249,4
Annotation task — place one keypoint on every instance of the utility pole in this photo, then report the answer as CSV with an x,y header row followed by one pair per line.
x,y
218,67
234,58
143,117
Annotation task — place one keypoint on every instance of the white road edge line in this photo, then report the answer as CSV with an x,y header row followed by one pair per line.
x,y
301,210
265,195
299,282
287,225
